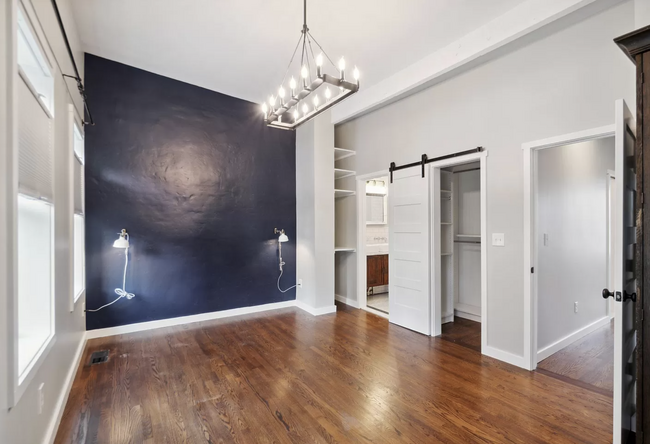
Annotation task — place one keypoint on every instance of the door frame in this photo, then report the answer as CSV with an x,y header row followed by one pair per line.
x,y
362,272
481,157
530,150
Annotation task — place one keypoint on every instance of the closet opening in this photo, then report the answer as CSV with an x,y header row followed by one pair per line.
x,y
456,190
458,193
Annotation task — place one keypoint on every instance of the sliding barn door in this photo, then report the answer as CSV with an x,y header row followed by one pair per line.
x,y
409,283
624,291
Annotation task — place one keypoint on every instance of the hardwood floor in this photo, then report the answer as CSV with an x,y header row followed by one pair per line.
x,y
463,332
588,362
288,377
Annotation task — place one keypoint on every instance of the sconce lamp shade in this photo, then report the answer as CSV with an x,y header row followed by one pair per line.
x,y
122,241
283,238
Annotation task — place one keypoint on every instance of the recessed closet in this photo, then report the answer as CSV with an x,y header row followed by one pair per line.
x,y
460,235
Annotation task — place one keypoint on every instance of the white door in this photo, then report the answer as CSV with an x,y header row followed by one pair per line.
x,y
625,283
408,281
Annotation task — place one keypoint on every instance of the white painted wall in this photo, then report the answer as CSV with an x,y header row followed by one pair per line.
x,y
315,212
561,79
572,212
22,424
642,13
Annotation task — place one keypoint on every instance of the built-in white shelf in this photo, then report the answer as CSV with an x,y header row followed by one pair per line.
x,y
468,235
342,249
343,193
446,254
341,153
445,191
445,223
340,173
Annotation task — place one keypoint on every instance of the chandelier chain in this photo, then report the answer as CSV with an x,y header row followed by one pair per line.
x,y
292,57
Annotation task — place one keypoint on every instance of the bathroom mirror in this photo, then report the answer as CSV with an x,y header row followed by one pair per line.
x,y
375,209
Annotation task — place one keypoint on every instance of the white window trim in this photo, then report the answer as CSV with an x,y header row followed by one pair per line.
x,y
30,16
18,383
22,381
74,121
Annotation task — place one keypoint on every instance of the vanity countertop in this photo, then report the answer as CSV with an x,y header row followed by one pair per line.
x,y
376,249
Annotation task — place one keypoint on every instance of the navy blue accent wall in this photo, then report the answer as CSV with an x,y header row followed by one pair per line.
x,y
199,182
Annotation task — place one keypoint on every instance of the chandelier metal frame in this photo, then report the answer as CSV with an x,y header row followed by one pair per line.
x,y
279,117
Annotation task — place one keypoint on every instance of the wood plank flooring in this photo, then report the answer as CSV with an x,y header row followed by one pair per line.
x,y
463,332
288,377
588,362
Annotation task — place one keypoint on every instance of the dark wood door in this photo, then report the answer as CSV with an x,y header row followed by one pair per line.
x,y
384,265
374,271
377,270
637,46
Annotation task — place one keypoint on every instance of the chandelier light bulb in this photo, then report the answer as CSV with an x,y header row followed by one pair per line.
x,y
355,73
265,109
272,102
319,59
342,64
296,114
316,100
304,72
305,108
328,94
292,83
281,92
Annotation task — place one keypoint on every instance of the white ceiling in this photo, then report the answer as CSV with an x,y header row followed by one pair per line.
x,y
242,47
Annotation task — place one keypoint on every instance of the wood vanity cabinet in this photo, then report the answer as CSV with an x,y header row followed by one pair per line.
x,y
377,270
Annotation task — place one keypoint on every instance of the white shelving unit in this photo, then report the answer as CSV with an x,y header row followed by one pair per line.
x,y
340,153
447,244
339,191
340,173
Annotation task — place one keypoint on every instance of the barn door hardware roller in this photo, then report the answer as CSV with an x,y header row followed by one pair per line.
x,y
425,160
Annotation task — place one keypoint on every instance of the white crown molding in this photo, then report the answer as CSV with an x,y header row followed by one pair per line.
x,y
514,24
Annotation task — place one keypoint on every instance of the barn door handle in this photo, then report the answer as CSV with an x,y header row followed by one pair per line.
x,y
607,293
629,296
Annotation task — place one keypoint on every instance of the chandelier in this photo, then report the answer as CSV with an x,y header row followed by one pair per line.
x,y
303,104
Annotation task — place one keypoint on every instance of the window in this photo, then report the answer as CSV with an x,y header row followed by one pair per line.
x,y
34,229
33,65
79,219
35,289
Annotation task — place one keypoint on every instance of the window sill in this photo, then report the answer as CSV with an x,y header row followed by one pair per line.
x,y
23,381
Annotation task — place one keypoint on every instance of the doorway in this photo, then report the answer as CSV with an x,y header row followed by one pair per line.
x,y
458,223
623,230
575,336
373,243
376,244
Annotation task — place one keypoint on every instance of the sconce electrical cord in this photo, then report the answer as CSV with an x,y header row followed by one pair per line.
x,y
282,271
280,277
120,292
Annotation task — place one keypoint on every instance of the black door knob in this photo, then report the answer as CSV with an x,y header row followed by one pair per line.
x,y
628,296
607,293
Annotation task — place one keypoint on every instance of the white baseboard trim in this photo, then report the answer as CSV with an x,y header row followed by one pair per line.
x,y
50,434
347,301
505,356
569,339
151,325
316,311
448,318
465,315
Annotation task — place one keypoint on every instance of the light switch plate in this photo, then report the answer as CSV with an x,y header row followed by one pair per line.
x,y
498,239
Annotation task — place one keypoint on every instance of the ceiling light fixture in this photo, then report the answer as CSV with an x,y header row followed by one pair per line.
x,y
276,118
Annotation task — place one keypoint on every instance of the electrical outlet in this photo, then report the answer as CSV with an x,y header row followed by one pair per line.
x,y
300,283
575,307
41,397
498,239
